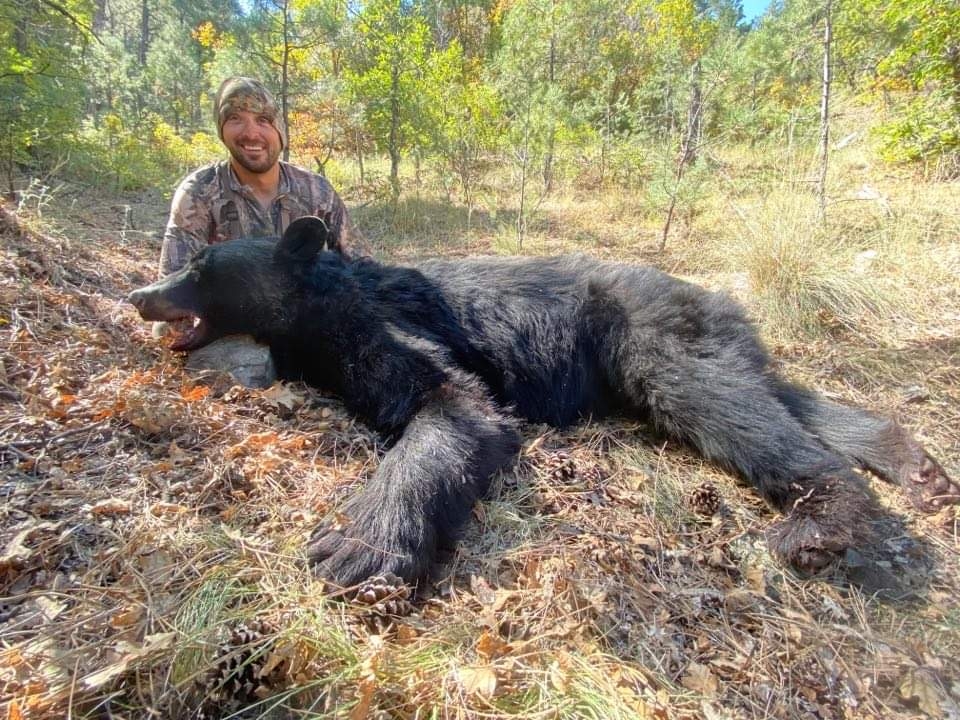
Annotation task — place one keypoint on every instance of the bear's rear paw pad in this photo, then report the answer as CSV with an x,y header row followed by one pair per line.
x,y
802,543
347,560
930,488
336,558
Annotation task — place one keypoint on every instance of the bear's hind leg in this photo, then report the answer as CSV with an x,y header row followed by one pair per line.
x,y
878,444
722,405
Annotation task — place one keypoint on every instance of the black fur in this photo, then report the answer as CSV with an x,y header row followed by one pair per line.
x,y
443,358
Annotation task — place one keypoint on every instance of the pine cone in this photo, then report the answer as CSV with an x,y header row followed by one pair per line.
x,y
385,595
237,677
705,500
560,467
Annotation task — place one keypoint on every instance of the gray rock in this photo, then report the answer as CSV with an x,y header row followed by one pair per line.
x,y
247,361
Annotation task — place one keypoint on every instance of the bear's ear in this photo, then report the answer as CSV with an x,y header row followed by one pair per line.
x,y
304,239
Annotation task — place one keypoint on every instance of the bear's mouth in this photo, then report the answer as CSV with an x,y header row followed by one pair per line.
x,y
196,336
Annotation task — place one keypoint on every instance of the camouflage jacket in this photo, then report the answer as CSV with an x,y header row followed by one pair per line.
x,y
211,206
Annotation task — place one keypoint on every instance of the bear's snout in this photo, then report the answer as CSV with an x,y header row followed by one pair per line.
x,y
161,301
138,298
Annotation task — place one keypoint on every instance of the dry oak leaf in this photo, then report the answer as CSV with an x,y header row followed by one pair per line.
x,y
699,679
490,646
920,685
16,553
195,393
478,680
111,506
129,654
281,395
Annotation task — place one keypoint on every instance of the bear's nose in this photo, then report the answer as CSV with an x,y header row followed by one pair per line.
x,y
137,298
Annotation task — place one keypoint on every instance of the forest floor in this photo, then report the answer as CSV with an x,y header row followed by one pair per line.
x,y
153,523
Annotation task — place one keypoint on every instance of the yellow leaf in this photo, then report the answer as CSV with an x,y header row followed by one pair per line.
x,y
126,617
165,508
280,394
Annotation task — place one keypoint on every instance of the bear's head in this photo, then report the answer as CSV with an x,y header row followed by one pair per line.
x,y
238,287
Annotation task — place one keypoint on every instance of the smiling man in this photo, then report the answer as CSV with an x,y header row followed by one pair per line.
x,y
252,194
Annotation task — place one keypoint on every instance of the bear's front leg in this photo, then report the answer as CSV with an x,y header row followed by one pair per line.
x,y
423,491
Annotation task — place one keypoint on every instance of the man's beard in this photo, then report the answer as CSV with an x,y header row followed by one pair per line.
x,y
256,166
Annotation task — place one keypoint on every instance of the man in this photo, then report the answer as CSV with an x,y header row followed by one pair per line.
x,y
252,194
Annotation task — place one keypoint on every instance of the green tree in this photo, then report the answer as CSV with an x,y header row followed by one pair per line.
x,y
467,121
385,76
41,81
921,76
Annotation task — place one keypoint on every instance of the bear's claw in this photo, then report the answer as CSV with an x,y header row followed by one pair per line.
x,y
929,487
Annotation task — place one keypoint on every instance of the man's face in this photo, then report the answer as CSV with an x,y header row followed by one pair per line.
x,y
252,140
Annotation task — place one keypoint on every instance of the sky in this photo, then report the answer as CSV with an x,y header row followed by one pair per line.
x,y
754,8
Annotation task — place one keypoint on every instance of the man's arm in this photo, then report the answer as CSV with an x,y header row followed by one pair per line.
x,y
188,228
352,242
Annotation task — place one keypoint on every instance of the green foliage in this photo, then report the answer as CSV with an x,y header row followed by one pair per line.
x,y
467,118
40,85
151,154
925,66
387,71
596,90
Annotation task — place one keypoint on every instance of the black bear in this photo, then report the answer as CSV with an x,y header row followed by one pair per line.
x,y
446,358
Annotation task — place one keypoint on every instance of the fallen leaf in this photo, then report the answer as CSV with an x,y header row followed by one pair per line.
x,y
252,444
195,393
111,506
164,508
129,654
478,680
699,679
49,607
482,590
920,685
490,646
16,552
281,395
558,678
126,617
365,691
755,579
176,454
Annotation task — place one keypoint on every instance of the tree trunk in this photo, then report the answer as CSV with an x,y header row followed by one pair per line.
x,y
144,31
825,113
394,139
552,132
689,146
524,162
285,79
358,140
99,16
694,117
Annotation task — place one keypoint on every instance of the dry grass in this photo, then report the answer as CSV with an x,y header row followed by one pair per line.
x,y
153,527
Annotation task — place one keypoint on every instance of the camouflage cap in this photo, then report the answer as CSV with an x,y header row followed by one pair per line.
x,y
243,93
